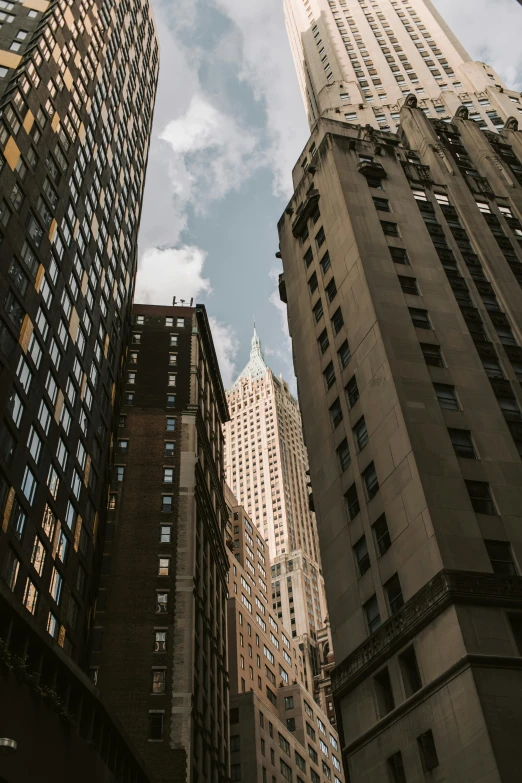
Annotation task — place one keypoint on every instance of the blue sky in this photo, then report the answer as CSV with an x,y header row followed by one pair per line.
x,y
229,125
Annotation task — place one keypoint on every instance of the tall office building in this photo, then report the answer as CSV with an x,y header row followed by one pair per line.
x,y
159,645
266,466
402,257
277,732
77,87
357,60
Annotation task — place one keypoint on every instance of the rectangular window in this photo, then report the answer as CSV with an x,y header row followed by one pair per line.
x,y
171,400
447,396
352,391
156,720
409,285
337,321
463,443
329,375
371,482
382,204
427,751
371,611
390,229
384,692
352,502
410,671
336,414
393,591
331,290
399,255
361,555
396,768
313,284
325,263
344,354
432,354
501,557
163,566
160,641
161,602
343,455
29,485
360,433
165,534
30,599
167,503
381,535
10,569
168,475
170,424
158,680
323,341
480,496
320,238
318,311
420,318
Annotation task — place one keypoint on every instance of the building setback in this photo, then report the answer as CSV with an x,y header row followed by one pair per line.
x,y
357,61
277,732
403,274
161,607
77,90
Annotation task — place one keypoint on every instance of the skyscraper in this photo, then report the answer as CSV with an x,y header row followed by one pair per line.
x,y
402,261
77,86
159,653
266,466
275,726
357,60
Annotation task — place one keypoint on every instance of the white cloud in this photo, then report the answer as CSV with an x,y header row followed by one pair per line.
x,y
211,154
267,66
227,346
167,272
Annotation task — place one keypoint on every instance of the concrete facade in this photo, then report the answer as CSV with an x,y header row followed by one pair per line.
x,y
357,61
408,359
161,606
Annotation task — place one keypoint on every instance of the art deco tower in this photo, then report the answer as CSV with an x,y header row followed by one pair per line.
x,y
356,60
402,258
266,465
77,89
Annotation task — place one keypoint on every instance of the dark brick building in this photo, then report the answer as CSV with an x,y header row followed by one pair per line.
x,y
159,652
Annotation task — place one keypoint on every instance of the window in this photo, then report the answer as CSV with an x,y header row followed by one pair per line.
x,y
30,599
393,591
336,414
352,391
163,566
382,204
396,768
352,502
501,557
325,263
462,443
409,285
170,424
343,455
384,692
284,744
432,354
320,238
318,311
360,433
156,725
313,284
381,535
420,318
410,671
29,485
289,702
10,569
323,341
158,680
169,448
165,534
371,611
399,255
337,321
390,229
331,290
427,751
160,641
171,400
480,496
235,771
313,754
329,375
362,556
447,396
161,602
234,743
123,446
310,730
344,354
308,257
168,475
167,503
300,762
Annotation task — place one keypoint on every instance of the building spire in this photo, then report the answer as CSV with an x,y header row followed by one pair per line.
x,y
256,367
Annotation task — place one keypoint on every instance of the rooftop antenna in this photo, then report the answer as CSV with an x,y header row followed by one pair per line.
x,y
174,301
191,300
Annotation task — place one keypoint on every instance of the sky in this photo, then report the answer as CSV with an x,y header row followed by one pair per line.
x,y
228,127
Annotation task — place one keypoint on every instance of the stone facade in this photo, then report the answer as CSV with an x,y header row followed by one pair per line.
x,y
403,275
